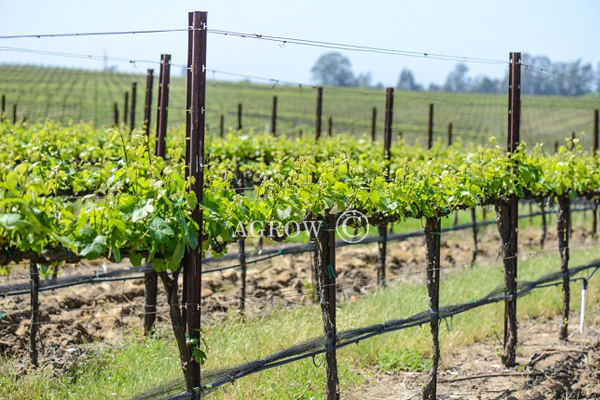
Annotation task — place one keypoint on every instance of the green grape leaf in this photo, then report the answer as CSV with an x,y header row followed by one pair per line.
x,y
13,221
94,249
160,231
135,258
142,212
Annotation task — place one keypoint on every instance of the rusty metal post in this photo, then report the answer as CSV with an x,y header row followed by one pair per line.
x,y
389,119
126,109
556,146
450,134
188,122
14,113
162,112
596,142
133,105
239,116
221,125
319,111
327,286
596,130
511,217
330,127
373,123
382,229
274,117
430,128
3,108
148,105
192,278
116,114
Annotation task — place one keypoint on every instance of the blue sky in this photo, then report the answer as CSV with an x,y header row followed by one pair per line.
x,y
562,30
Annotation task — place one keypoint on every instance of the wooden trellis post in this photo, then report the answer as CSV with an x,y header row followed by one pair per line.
x,y
562,228
508,218
133,105
239,114
595,206
221,125
432,240
274,116
326,275
126,108
475,247
319,112
162,112
544,224
373,123
382,229
148,103
116,114
430,128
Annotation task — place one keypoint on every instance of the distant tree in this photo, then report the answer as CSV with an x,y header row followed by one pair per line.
x,y
434,87
535,76
573,79
542,76
364,80
457,80
407,81
333,69
483,84
598,78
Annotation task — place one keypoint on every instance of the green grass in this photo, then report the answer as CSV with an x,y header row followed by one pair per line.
x,y
141,364
82,95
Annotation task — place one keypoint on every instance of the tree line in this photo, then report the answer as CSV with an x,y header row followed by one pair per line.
x,y
540,76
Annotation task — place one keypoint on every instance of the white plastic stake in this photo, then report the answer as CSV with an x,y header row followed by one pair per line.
x,y
583,304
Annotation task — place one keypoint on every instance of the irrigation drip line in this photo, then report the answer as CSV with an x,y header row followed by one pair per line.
x,y
111,276
211,380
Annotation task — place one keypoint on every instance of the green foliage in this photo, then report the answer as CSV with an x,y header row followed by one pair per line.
x,y
403,359
116,200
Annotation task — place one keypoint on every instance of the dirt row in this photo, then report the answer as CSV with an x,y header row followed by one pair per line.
x,y
547,369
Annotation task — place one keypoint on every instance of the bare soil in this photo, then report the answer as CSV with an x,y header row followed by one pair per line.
x,y
547,369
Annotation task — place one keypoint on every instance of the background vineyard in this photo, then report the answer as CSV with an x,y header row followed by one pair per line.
x,y
65,95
